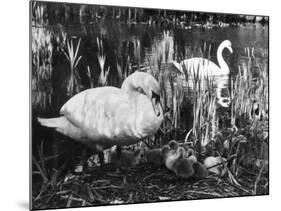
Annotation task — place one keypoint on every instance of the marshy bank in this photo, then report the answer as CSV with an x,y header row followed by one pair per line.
x,y
76,47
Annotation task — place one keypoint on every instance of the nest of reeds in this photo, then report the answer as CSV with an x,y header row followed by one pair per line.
x,y
144,183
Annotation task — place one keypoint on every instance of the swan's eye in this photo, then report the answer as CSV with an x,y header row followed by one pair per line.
x,y
156,96
140,90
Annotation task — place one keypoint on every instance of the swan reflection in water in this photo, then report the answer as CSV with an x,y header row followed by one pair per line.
x,y
219,85
198,68
202,69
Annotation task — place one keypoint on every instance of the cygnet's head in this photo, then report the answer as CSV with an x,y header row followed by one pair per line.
x,y
190,154
180,152
165,150
173,144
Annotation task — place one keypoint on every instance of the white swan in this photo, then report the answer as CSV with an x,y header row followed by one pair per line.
x,y
205,66
106,116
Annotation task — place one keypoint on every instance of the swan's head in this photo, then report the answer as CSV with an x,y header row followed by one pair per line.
x,y
144,83
227,44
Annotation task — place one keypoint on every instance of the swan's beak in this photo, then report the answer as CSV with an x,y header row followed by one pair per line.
x,y
156,103
230,49
157,107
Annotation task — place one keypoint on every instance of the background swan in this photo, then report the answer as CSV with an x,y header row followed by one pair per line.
x,y
205,66
106,116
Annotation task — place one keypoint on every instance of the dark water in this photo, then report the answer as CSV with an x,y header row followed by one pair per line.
x,y
249,35
119,41
116,33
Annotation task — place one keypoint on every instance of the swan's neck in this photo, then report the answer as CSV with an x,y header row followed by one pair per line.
x,y
222,64
129,90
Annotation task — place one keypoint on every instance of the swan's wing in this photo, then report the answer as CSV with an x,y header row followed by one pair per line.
x,y
102,114
201,66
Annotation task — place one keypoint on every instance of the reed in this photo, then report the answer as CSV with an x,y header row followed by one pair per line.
x,y
89,74
120,74
205,119
41,165
101,59
249,93
42,68
211,118
71,54
124,61
159,70
166,44
51,177
157,60
39,13
124,69
173,89
137,52
204,109
177,96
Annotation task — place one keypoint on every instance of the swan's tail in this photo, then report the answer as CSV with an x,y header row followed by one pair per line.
x,y
58,122
62,125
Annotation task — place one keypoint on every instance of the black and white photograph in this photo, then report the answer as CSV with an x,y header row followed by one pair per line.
x,y
137,105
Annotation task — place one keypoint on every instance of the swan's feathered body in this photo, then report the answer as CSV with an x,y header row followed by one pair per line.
x,y
106,116
202,67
